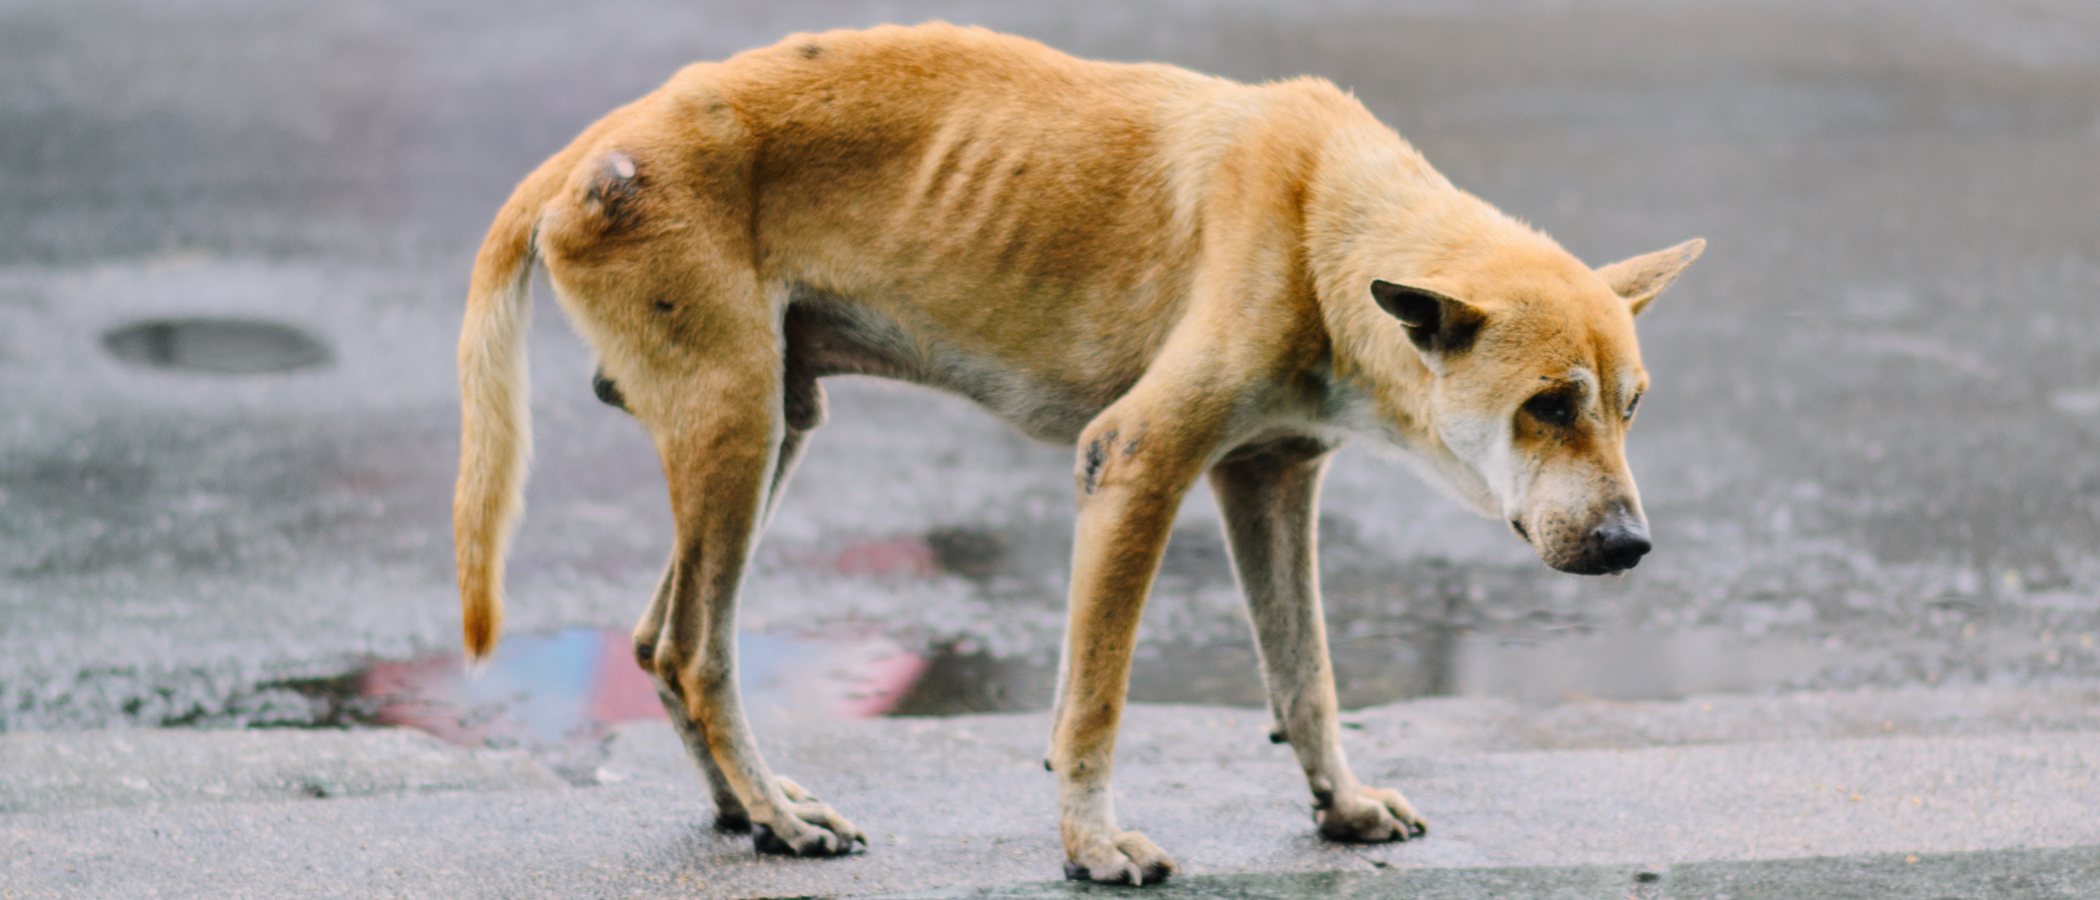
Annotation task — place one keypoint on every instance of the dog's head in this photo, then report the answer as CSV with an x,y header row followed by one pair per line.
x,y
1535,377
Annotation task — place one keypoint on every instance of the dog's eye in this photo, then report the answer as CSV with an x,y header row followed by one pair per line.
x,y
1556,408
1632,406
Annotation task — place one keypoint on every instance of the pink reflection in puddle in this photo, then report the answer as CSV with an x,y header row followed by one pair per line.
x,y
550,689
909,556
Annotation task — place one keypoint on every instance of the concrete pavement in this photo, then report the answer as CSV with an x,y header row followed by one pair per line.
x,y
1579,798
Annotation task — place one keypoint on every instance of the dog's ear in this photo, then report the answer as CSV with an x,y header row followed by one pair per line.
x,y
1438,324
1642,278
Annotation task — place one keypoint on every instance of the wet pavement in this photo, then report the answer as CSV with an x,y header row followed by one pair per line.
x,y
1805,788
1869,446
234,241
2039,873
557,695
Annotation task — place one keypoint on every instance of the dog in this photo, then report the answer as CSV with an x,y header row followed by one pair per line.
x,y
1180,276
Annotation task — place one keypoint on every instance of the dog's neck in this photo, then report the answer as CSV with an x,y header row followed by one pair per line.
x,y
1377,210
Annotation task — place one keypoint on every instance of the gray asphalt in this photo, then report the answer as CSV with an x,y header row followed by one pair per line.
x,y
1580,799
1867,458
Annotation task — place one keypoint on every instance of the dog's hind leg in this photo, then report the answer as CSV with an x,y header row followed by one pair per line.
x,y
803,406
1269,498
720,428
729,810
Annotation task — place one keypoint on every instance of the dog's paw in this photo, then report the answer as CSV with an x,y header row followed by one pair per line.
x,y
1126,858
1368,815
730,816
810,828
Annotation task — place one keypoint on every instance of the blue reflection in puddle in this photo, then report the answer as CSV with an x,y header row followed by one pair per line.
x,y
550,689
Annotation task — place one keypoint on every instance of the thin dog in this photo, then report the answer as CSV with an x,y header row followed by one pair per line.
x,y
1181,276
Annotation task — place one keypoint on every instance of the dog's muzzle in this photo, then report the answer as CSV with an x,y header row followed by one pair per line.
x,y
1615,545
1621,546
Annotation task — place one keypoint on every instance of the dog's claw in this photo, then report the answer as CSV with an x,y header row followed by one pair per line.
x,y
1130,858
1157,873
1129,874
1369,815
822,842
816,829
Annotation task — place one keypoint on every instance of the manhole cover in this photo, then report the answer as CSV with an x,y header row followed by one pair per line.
x,y
233,346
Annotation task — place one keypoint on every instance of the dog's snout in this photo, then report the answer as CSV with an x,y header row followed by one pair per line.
x,y
1620,542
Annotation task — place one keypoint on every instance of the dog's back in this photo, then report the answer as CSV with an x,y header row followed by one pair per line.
x,y
978,195
1000,196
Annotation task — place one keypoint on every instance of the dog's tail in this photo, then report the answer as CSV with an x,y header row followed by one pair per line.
x,y
495,442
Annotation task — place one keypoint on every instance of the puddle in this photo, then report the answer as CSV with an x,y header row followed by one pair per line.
x,y
558,694
224,346
1374,671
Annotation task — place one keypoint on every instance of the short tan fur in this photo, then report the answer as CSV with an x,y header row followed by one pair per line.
x,y
1181,276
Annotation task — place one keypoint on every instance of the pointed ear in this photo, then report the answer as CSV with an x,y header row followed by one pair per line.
x,y
1438,324
1642,278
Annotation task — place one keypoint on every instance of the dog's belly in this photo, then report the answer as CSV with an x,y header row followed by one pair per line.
x,y
828,335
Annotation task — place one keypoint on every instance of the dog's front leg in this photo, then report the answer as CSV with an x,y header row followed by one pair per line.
x,y
1135,464
1270,502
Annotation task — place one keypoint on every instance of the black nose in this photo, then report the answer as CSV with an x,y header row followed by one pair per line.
x,y
1620,542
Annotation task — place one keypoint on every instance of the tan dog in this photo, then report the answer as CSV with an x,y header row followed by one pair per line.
x,y
1182,275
